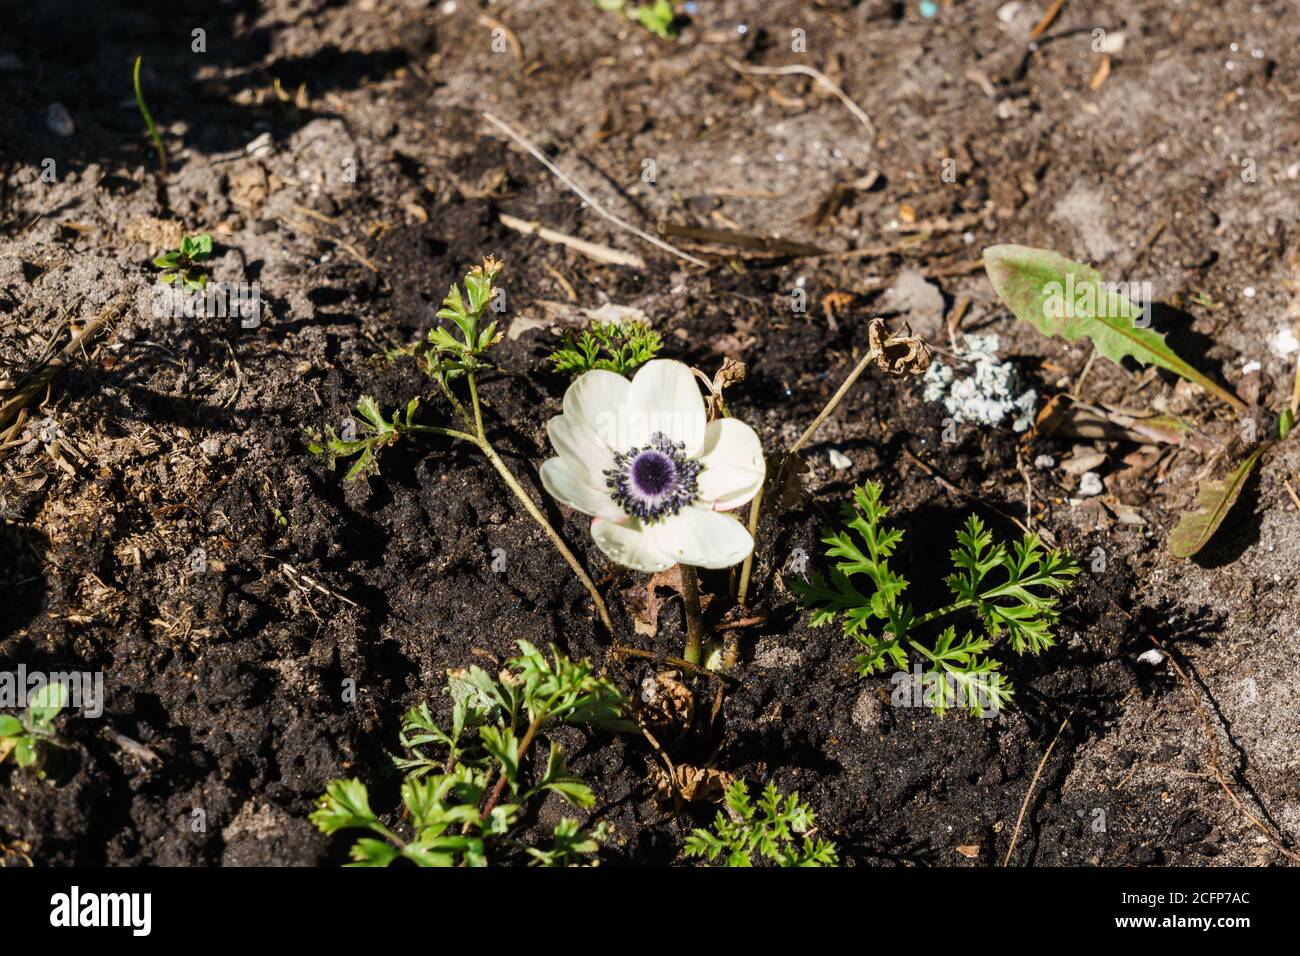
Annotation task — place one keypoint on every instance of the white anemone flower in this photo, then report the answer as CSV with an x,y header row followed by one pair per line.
x,y
655,476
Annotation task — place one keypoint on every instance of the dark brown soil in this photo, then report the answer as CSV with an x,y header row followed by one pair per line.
x,y
180,438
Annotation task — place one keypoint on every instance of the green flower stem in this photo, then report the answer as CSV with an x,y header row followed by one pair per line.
x,y
481,441
835,400
694,618
478,411
746,570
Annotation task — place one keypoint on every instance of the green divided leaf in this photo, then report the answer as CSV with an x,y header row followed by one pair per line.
x,y
775,830
1214,499
1061,297
345,804
616,346
448,775
1012,589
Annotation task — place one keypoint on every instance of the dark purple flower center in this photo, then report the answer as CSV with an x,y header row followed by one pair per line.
x,y
653,473
654,481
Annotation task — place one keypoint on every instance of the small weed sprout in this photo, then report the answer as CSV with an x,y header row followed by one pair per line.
x,y
620,347
25,737
776,830
181,264
457,815
1014,592
657,16
148,119
450,361
380,432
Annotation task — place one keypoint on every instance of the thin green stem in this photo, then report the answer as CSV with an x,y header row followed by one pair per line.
x,y
694,617
524,744
148,120
835,400
940,612
1295,387
461,410
746,569
478,411
486,447
440,430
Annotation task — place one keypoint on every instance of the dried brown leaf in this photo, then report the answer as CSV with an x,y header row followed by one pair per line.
x,y
691,784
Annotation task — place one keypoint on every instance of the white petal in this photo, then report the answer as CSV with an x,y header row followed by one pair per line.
x,y
665,398
600,399
570,489
629,544
582,450
706,539
733,464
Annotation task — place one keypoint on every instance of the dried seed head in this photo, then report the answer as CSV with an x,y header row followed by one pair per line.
x,y
897,353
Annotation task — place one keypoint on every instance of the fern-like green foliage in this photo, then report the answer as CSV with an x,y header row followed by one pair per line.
x,y
454,777
376,432
1013,591
776,831
448,357
616,346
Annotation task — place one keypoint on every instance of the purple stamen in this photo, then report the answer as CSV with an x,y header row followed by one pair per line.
x,y
655,481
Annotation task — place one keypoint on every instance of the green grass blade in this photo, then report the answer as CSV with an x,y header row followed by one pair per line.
x,y
148,119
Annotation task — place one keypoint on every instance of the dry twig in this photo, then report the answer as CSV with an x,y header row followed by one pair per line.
x,y
590,200
820,77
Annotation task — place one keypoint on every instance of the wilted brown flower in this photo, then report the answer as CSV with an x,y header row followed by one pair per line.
x,y
897,353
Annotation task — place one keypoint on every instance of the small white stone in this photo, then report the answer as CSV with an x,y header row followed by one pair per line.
x,y
1249,292
1284,343
1044,461
1090,485
1154,657
259,146
839,460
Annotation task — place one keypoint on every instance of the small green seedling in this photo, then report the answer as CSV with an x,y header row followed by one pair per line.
x,y
181,264
26,737
456,811
657,16
148,119
616,346
778,831
1013,591
379,432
